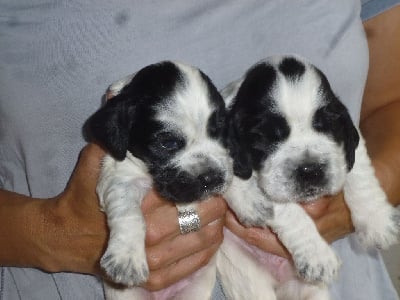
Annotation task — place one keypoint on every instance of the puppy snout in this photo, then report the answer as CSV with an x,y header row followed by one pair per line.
x,y
211,179
310,174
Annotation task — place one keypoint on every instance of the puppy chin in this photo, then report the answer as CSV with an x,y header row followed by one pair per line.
x,y
293,192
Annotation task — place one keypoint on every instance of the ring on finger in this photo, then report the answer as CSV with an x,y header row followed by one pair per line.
x,y
189,220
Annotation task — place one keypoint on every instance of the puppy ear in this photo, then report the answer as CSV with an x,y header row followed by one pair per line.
x,y
351,139
344,130
335,120
110,125
339,124
242,166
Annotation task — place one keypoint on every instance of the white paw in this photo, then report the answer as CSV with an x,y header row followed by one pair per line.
x,y
125,265
382,230
317,264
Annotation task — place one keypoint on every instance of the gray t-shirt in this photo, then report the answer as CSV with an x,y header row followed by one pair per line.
x,y
58,57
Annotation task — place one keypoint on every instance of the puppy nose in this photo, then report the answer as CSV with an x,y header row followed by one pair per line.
x,y
210,179
311,173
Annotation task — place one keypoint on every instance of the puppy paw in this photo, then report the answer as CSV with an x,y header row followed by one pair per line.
x,y
381,231
321,265
125,266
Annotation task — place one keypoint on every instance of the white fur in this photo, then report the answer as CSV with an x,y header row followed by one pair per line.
x,y
375,220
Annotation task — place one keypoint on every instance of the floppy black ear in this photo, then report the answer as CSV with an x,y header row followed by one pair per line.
x,y
344,129
351,139
110,125
242,166
334,119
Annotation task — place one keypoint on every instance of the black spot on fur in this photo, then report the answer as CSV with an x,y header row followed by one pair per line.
x,y
254,127
125,121
292,68
334,119
216,122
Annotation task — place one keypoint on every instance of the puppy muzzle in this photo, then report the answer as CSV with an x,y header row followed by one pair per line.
x,y
182,186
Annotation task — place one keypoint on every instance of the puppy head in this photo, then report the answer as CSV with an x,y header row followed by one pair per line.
x,y
171,117
289,127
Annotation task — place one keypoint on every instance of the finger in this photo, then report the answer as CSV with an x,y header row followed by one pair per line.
x,y
89,160
162,223
263,238
165,277
173,250
152,201
317,208
336,222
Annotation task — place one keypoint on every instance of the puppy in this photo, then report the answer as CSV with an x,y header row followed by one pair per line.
x,y
293,141
162,128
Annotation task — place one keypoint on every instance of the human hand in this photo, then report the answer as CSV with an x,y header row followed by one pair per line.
x,y
330,214
76,229
172,256
80,237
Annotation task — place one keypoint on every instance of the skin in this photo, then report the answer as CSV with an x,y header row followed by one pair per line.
x,y
380,126
69,232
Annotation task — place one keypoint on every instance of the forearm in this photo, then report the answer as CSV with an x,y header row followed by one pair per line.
x,y
381,130
380,111
50,234
65,233
23,222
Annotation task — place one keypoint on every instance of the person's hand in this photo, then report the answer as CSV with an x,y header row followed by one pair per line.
x,y
330,214
80,237
76,229
172,256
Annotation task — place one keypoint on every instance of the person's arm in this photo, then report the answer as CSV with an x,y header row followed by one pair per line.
x,y
380,126
66,233
69,232
380,114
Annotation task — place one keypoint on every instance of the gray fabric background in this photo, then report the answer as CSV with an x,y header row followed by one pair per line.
x,y
58,57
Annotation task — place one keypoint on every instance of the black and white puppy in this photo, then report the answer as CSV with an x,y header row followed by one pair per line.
x,y
162,128
293,141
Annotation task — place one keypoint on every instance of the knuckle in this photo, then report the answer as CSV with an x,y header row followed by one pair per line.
x,y
220,205
153,235
252,237
155,283
154,261
206,256
213,234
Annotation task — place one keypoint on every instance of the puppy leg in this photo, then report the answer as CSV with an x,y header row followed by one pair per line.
x,y
242,277
121,188
376,221
314,259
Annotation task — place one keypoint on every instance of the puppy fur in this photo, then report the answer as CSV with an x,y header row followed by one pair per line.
x,y
292,141
162,128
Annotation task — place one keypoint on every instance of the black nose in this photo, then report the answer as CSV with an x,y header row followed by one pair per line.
x,y
310,173
210,179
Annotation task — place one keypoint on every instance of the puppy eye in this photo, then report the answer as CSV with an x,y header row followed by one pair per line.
x,y
170,144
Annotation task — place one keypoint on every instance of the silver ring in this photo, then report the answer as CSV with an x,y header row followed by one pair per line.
x,y
189,221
